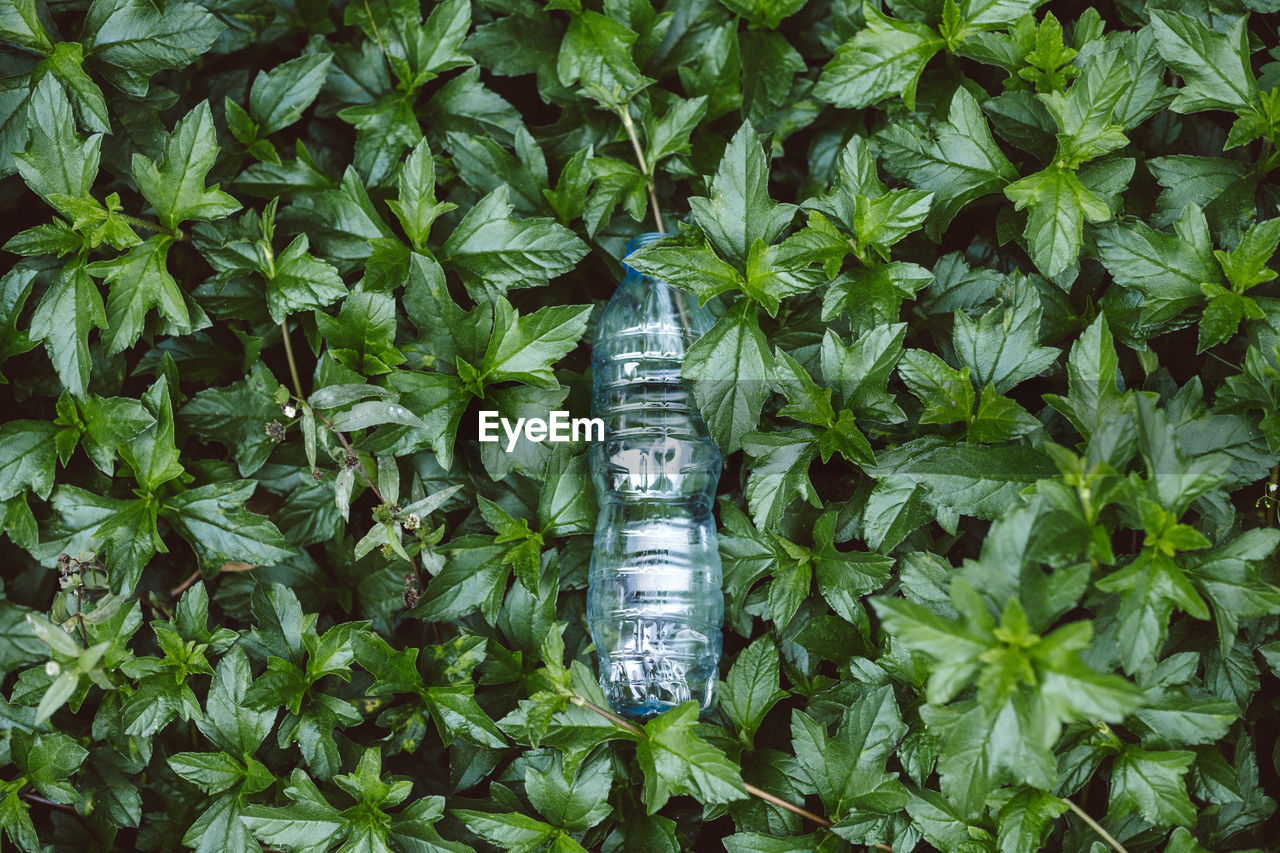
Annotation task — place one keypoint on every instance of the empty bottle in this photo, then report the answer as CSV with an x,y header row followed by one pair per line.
x,y
654,601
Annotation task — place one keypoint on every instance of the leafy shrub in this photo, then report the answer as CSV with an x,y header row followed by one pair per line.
x,y
995,372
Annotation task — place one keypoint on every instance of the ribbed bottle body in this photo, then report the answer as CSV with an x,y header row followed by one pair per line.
x,y
654,602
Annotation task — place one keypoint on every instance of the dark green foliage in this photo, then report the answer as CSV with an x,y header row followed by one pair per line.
x,y
995,372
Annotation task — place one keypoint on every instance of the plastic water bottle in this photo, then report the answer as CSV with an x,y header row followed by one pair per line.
x,y
654,601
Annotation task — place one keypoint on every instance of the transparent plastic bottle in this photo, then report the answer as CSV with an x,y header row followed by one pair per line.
x,y
654,602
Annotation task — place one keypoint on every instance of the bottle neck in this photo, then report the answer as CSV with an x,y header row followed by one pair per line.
x,y
638,241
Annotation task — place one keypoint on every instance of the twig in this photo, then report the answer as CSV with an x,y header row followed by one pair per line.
x,y
195,576
1095,826
1270,498
609,715
293,365
175,233
36,798
778,801
638,731
624,113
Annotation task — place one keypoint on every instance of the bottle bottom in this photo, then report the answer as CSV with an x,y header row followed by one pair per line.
x,y
645,685
662,663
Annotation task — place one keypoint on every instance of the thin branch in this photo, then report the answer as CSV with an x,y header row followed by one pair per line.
x,y
778,801
624,113
609,715
36,798
293,365
175,233
229,566
1095,826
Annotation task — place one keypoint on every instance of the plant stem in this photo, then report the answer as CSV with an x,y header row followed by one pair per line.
x,y
1271,500
624,113
778,801
639,732
578,699
36,798
293,365
175,233
1096,827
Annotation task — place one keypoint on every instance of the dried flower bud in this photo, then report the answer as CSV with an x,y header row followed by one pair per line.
x,y
64,563
275,431
352,461
316,476
411,594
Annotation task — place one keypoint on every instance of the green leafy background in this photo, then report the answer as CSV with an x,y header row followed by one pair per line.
x,y
995,373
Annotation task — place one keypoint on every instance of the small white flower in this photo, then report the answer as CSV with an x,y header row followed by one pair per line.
x,y
51,668
289,411
412,522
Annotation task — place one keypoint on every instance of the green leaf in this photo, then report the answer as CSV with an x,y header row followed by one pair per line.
x,y
596,55
175,187
737,210
1024,818
213,772
509,253
847,768
417,208
307,823
1094,397
1246,265
1215,67
1151,784
1167,269
27,455
362,336
280,96
729,368
23,22
669,133
577,803
947,393
56,161
1059,204
511,831
236,416
697,269
676,761
764,13
152,454
131,40
752,688
140,280
1001,347
860,373
958,161
301,282
66,62
524,348
884,59
213,519
779,473
974,480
